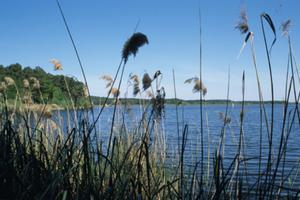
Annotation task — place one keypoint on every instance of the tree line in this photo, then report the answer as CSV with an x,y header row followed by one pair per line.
x,y
51,89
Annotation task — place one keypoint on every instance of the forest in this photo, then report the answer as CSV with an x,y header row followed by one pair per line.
x,y
36,85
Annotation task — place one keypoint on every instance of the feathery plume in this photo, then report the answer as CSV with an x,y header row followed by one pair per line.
x,y
27,99
9,81
85,92
36,83
108,79
136,84
53,125
198,85
26,83
243,27
146,81
115,92
47,113
158,103
56,64
285,27
2,87
204,90
191,79
157,73
32,79
133,44
242,24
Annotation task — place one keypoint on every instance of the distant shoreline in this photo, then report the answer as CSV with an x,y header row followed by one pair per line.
x,y
132,101
172,101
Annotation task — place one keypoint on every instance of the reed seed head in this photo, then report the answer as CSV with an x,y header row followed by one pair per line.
x,y
47,113
2,87
32,79
242,24
158,102
26,83
190,80
157,73
9,81
85,92
53,125
136,84
146,81
56,64
135,79
133,44
204,91
36,83
27,99
198,85
285,27
108,79
115,92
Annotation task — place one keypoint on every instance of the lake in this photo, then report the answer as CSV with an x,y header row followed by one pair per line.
x,y
212,125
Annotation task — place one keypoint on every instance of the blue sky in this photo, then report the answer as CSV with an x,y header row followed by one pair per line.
x,y
32,33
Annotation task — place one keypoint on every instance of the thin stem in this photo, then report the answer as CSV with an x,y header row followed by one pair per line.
x,y
241,132
176,107
78,59
112,123
201,103
269,163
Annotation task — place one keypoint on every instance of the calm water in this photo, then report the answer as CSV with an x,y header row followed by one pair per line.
x,y
190,115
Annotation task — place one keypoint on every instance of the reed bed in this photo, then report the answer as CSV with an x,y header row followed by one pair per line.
x,y
43,158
